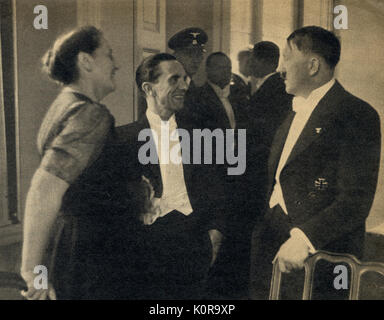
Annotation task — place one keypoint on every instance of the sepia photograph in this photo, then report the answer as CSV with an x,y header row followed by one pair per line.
x,y
194,150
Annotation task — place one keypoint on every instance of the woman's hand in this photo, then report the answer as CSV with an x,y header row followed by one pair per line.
x,y
36,294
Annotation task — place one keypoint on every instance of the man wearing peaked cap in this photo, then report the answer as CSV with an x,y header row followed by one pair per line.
x,y
188,46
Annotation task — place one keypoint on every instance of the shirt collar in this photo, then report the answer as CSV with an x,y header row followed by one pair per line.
x,y
156,122
221,93
304,105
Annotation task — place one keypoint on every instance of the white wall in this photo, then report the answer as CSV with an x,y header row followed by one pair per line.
x,y
361,71
35,91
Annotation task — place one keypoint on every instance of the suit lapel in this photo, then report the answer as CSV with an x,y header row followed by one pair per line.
x,y
320,119
151,171
187,169
278,145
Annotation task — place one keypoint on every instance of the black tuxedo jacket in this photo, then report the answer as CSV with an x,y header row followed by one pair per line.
x,y
268,107
207,111
205,196
330,177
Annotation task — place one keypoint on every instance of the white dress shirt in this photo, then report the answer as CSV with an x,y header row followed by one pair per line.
x,y
303,109
223,95
175,195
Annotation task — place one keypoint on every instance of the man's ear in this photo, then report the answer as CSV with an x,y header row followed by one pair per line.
x,y
314,66
147,88
84,61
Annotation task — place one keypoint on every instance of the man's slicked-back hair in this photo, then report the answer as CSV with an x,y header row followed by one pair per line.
x,y
149,71
213,55
317,40
268,52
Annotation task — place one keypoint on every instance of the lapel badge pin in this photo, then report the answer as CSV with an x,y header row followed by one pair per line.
x,y
318,130
321,184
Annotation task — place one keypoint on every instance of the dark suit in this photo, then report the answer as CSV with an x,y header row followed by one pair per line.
x,y
208,111
268,107
230,273
328,181
173,255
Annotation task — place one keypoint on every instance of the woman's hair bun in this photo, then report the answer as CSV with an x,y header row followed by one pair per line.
x,y
60,61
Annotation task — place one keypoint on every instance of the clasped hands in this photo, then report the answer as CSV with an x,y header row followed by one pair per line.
x,y
292,254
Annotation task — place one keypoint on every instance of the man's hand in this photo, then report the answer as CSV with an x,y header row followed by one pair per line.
x,y
292,254
216,238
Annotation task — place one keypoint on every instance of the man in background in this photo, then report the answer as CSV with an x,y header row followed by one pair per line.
x,y
269,101
217,108
188,47
268,106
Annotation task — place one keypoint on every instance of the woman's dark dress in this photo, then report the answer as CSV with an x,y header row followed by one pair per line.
x,y
93,235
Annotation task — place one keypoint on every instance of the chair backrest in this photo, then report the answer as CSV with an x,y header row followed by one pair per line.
x,y
358,268
10,286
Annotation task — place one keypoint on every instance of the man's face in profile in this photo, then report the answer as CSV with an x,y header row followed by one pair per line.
x,y
294,68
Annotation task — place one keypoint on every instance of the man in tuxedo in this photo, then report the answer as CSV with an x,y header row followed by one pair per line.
x,y
216,108
176,248
268,106
214,104
188,47
323,168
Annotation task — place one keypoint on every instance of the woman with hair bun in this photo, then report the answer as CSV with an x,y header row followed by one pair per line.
x,y
68,205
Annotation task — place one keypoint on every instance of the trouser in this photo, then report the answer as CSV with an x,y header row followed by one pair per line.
x,y
230,274
267,238
174,260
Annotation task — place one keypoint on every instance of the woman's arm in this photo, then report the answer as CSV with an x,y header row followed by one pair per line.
x,y
42,207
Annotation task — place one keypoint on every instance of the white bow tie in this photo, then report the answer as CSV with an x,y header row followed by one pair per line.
x,y
299,105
